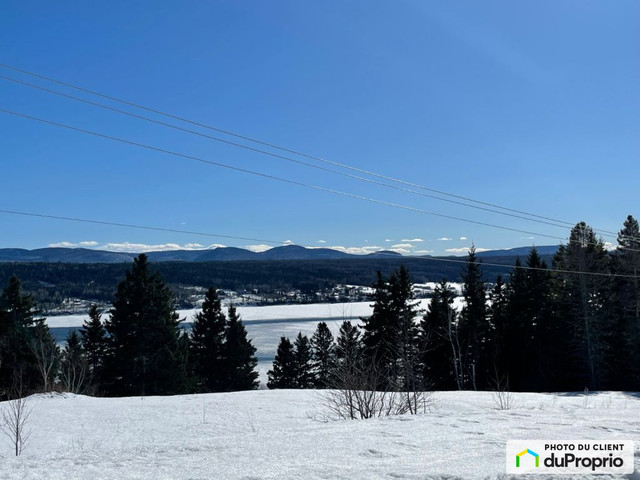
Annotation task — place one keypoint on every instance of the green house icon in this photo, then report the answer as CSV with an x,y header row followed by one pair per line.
x,y
530,452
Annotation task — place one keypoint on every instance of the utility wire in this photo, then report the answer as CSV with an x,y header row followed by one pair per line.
x,y
524,267
206,234
271,177
280,179
302,154
275,155
141,227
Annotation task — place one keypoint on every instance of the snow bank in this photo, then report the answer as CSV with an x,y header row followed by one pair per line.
x,y
272,435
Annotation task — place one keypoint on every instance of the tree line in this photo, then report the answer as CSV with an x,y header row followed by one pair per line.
x,y
570,326
139,350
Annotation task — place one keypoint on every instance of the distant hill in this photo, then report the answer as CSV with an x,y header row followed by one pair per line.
x,y
222,254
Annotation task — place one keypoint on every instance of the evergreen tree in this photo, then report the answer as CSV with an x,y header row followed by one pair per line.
x,y
323,354
303,362
407,345
473,326
438,327
207,354
45,353
94,345
143,356
626,263
241,361
377,329
283,374
586,304
390,337
348,343
74,367
16,332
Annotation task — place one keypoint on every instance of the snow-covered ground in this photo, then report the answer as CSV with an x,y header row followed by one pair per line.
x,y
273,435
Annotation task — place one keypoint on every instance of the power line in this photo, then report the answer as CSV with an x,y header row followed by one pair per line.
x,y
524,267
278,147
217,235
281,179
274,177
141,227
271,154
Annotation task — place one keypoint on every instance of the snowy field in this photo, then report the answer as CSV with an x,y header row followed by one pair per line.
x,y
273,435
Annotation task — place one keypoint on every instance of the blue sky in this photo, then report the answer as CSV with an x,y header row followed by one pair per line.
x,y
528,105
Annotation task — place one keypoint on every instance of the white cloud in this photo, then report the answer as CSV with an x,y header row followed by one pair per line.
x,y
62,245
357,250
402,245
400,250
322,241
258,248
144,247
463,238
444,239
88,244
388,240
412,240
422,252
288,242
465,250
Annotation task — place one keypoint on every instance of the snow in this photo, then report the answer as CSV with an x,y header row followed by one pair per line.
x,y
324,311
273,435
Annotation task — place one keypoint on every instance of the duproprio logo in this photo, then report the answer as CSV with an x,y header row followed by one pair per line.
x,y
569,456
525,452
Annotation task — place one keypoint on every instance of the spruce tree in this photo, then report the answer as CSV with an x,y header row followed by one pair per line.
x,y
438,327
16,332
143,356
587,306
626,349
377,329
94,344
473,327
348,343
74,368
241,361
284,372
323,354
207,352
303,362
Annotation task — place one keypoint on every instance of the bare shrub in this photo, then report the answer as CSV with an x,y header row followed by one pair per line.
x,y
360,391
502,397
14,416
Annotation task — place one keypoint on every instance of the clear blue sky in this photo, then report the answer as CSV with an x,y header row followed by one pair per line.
x,y
530,105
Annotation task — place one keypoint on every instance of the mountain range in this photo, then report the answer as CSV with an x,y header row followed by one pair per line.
x,y
287,252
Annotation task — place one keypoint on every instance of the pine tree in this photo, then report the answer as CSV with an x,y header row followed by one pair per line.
x,y
303,362
587,305
16,332
94,345
348,343
377,329
626,350
438,327
241,361
46,355
74,367
473,327
323,354
143,350
283,374
207,354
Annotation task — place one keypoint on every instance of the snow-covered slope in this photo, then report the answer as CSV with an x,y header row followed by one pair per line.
x,y
273,435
